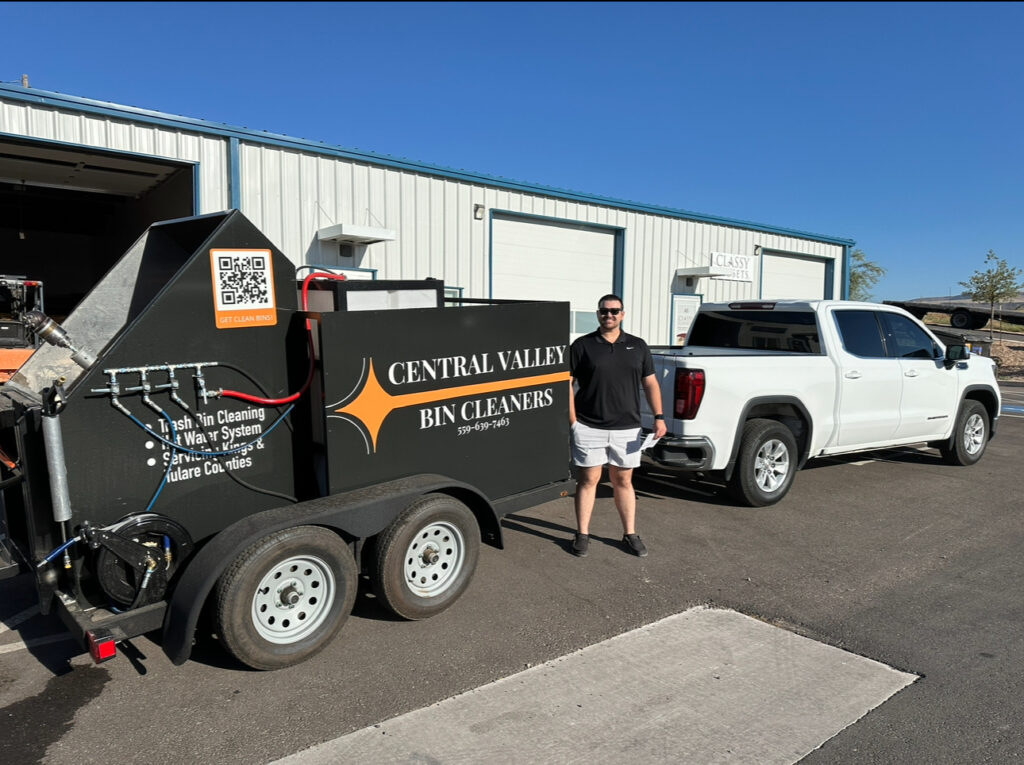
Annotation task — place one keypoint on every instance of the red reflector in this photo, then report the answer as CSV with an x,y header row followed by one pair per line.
x,y
102,646
689,393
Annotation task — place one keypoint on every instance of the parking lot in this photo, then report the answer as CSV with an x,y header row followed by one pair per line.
x,y
892,556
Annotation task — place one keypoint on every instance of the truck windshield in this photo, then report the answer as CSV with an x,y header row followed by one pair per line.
x,y
789,331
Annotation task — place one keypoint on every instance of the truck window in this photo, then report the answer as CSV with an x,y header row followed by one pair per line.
x,y
790,331
860,333
906,339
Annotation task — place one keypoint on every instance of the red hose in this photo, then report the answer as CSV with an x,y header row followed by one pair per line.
x,y
312,361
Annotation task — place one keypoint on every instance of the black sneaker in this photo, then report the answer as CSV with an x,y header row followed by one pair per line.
x,y
580,543
635,545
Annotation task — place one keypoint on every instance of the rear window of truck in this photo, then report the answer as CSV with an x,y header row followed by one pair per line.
x,y
788,331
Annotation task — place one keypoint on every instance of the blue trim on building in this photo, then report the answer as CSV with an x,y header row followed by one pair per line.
x,y
234,174
847,251
116,111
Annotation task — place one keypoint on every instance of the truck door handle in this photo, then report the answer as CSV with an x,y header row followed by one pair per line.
x,y
910,373
853,374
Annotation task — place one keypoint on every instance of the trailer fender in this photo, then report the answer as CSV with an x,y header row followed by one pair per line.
x,y
356,514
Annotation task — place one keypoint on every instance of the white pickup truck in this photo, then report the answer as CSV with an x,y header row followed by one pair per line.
x,y
759,388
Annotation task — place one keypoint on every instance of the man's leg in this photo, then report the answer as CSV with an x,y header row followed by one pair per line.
x,y
587,479
625,497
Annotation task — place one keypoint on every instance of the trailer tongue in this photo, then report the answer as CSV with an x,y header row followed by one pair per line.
x,y
194,437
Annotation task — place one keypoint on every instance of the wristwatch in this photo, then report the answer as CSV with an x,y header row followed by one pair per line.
x,y
659,417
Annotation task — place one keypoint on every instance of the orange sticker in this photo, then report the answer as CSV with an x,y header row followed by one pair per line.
x,y
243,288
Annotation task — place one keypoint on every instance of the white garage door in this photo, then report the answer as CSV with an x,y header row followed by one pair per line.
x,y
543,260
786,276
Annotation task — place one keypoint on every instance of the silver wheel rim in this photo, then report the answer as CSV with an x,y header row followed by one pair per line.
x,y
771,466
293,599
434,559
974,434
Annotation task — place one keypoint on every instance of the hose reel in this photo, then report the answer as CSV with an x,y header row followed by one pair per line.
x,y
137,557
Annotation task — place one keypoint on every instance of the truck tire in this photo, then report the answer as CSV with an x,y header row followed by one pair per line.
x,y
970,435
765,464
285,597
425,559
961,319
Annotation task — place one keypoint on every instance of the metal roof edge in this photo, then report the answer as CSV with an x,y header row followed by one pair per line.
x,y
106,108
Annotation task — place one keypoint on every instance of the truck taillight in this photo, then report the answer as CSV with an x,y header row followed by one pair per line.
x,y
689,393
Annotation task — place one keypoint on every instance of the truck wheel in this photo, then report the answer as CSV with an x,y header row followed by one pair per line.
x,y
961,319
970,436
425,559
765,464
285,597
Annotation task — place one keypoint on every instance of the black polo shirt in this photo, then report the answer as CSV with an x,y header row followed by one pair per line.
x,y
609,377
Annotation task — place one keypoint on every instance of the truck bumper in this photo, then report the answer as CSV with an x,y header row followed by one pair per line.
x,y
683,453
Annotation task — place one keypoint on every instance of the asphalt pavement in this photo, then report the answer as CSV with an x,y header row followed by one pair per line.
x,y
892,558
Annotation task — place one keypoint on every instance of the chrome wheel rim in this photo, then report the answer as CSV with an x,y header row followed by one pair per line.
x,y
771,466
293,599
974,433
434,559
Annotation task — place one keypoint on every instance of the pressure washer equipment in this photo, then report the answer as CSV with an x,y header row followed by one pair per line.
x,y
49,331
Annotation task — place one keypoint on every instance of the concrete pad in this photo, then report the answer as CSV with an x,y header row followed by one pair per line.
x,y
703,686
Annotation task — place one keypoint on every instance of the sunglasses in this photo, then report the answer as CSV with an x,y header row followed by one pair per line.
x,y
606,311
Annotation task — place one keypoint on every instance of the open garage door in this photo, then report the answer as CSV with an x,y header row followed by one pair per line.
x,y
68,213
792,277
549,260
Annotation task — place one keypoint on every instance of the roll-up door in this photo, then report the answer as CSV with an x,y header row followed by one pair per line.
x,y
548,260
787,276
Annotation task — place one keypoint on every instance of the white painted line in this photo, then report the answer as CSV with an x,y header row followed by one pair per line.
x,y
706,685
22,645
13,621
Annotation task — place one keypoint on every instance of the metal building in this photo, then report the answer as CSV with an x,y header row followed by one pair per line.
x,y
81,179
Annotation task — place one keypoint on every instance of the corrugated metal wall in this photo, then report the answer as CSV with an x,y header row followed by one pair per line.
x,y
291,194
50,124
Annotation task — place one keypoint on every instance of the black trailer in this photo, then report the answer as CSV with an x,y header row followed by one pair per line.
x,y
199,436
963,314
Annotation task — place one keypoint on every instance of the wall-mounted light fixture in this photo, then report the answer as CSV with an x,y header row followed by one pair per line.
x,y
478,212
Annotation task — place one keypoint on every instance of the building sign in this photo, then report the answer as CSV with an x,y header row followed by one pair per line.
x,y
733,268
684,309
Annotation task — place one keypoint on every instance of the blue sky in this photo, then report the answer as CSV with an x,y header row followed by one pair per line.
x,y
897,125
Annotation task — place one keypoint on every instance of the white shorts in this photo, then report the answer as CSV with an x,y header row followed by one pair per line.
x,y
593,446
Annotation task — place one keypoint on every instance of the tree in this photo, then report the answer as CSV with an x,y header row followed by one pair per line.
x,y
863,275
998,283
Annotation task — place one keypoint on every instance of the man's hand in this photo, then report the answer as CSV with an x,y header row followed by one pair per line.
x,y
660,429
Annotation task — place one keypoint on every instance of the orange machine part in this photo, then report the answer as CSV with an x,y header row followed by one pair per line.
x,y
11,359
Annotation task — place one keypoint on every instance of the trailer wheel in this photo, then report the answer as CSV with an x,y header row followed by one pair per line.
x,y
961,319
285,597
970,436
425,559
765,464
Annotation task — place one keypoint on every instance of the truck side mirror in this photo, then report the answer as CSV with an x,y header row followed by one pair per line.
x,y
955,353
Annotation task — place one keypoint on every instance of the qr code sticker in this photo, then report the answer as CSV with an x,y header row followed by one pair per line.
x,y
243,281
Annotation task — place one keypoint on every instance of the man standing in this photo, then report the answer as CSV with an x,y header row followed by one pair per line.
x,y
610,367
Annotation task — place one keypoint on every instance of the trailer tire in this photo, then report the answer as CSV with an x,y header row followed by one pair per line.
x,y
425,559
285,597
961,319
970,435
765,464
